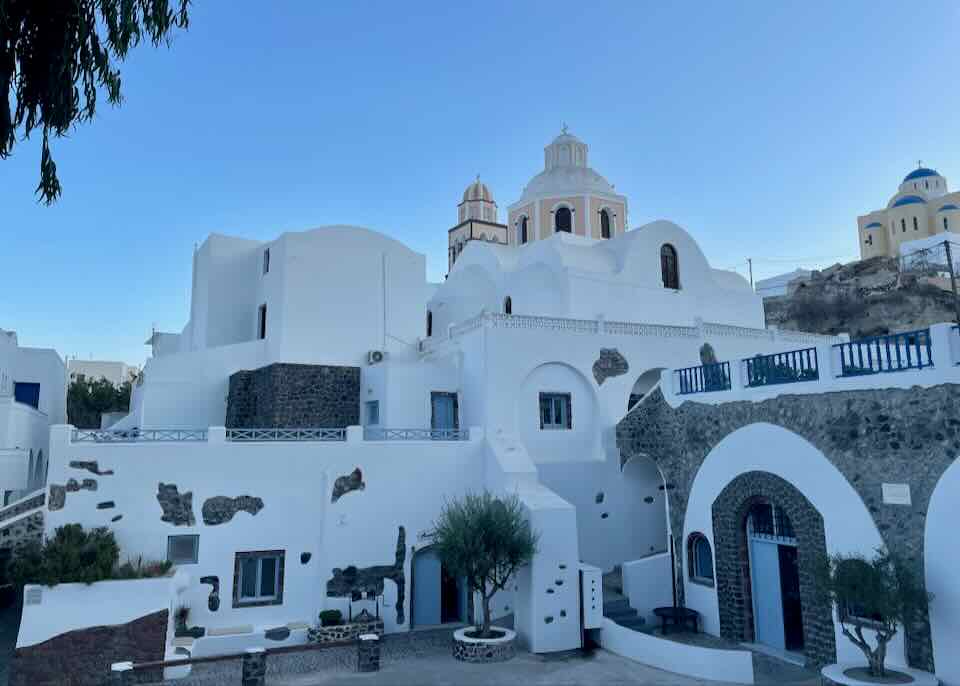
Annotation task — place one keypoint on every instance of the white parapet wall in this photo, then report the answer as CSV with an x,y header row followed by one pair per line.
x,y
647,584
729,666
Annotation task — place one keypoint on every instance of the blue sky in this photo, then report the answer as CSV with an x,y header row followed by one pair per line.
x,y
764,128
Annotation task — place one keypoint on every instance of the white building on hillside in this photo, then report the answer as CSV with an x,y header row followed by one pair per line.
x,y
32,398
291,447
921,207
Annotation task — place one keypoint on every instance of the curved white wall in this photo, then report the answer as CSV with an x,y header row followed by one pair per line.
x,y
578,442
848,525
942,560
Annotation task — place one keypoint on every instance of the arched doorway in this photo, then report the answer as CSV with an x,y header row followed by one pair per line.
x,y
768,540
437,597
642,386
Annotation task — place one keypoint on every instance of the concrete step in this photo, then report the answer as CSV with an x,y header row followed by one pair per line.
x,y
616,606
637,623
617,615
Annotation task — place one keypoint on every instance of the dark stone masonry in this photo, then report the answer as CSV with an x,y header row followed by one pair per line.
x,y
91,466
344,484
872,437
351,581
177,507
221,509
294,396
86,654
610,363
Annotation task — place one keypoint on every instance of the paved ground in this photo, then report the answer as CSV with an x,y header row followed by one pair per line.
x,y
9,625
596,667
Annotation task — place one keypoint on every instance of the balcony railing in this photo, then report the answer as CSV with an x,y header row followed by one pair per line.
x,y
892,353
704,379
288,435
787,367
139,435
377,434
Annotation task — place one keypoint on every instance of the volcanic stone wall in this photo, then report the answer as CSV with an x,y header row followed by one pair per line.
x,y
294,396
893,435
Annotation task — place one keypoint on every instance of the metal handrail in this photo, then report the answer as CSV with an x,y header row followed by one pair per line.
x,y
138,435
278,434
378,434
891,353
791,366
704,378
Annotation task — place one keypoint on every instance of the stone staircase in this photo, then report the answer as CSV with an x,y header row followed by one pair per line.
x,y
616,606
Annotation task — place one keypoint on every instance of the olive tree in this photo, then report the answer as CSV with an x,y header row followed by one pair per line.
x,y
878,594
55,55
485,540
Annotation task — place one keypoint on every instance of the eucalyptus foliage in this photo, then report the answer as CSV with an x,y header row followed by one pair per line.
x,y
485,540
56,55
88,399
878,594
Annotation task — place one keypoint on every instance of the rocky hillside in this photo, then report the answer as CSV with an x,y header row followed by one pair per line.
x,y
865,298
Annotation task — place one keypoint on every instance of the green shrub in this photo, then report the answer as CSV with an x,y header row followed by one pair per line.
x,y
331,618
143,569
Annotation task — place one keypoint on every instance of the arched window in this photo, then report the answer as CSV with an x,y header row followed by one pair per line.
x,y
699,559
563,220
429,323
604,224
522,231
946,224
915,224
903,226
507,305
668,267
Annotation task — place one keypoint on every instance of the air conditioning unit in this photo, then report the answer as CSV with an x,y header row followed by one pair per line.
x,y
376,356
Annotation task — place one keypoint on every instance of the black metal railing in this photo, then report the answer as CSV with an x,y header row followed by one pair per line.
x,y
704,378
787,367
891,353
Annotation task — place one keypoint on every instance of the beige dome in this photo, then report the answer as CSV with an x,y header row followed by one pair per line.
x,y
477,191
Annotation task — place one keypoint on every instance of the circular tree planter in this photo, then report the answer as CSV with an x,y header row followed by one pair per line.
x,y
498,649
857,675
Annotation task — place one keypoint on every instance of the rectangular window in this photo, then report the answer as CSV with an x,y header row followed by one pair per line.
x,y
444,411
262,322
372,412
555,411
266,260
258,578
183,550
27,393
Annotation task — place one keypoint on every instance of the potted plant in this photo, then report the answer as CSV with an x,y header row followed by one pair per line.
x,y
877,594
331,618
484,539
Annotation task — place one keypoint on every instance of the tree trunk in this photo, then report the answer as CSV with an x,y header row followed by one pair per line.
x,y
878,659
485,630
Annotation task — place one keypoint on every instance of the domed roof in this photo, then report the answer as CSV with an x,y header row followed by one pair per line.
x,y
909,200
477,191
567,181
920,173
947,208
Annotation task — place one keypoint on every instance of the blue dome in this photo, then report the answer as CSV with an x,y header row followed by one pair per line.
x,y
873,225
919,174
909,200
948,207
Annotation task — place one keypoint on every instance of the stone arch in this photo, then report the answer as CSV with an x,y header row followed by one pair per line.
x,y
732,570
644,384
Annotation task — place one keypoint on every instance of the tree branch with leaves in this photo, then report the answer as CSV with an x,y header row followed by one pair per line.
x,y
55,57
879,594
485,540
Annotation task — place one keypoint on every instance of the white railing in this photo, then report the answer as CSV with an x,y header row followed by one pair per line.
x,y
377,434
139,435
600,326
244,435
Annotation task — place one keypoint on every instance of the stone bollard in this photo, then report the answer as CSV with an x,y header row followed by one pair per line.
x,y
368,653
254,667
120,673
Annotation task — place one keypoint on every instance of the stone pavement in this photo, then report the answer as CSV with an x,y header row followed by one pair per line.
x,y
572,669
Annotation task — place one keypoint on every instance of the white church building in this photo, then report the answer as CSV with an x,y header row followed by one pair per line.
x,y
289,449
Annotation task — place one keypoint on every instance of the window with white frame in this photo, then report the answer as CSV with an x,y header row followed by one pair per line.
x,y
555,411
183,550
258,578
372,412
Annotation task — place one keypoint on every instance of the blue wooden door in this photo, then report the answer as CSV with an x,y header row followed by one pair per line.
x,y
767,594
426,589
